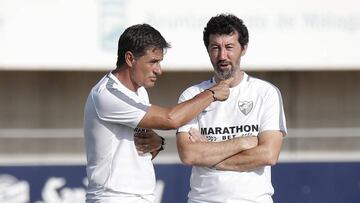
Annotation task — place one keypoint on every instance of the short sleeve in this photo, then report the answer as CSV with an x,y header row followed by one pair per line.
x,y
115,106
273,116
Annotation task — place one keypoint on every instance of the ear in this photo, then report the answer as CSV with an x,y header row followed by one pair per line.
x,y
244,49
129,58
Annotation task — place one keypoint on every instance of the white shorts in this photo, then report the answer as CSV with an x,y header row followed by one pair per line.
x,y
124,198
263,199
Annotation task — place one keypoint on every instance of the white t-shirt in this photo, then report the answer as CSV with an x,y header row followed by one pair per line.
x,y
253,106
114,167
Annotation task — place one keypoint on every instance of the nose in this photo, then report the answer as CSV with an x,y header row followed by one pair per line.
x,y
158,70
222,54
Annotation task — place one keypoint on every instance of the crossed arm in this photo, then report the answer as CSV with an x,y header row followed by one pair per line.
x,y
149,142
239,154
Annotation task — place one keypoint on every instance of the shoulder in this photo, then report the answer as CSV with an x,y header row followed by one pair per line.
x,y
200,86
100,86
193,90
262,86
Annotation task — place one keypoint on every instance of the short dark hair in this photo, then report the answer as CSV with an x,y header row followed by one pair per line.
x,y
225,24
137,39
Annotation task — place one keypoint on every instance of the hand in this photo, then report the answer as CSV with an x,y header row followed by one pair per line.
x,y
196,136
221,89
148,141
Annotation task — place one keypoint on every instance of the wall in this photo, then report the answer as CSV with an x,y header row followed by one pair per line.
x,y
41,121
41,112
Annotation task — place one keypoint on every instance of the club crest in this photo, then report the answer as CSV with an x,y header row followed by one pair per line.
x,y
245,106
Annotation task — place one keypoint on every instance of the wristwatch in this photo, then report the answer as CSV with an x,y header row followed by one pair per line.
x,y
162,143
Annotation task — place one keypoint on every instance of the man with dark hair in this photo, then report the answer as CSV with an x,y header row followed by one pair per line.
x,y
118,107
232,144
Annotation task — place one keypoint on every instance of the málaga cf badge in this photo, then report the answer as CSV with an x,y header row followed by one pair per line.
x,y
245,106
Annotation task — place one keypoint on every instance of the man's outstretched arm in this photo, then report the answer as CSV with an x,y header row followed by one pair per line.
x,y
173,117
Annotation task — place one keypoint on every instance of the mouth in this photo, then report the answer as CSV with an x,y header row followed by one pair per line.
x,y
223,65
153,79
224,70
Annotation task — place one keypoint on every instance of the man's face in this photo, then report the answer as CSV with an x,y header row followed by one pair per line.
x,y
225,54
147,67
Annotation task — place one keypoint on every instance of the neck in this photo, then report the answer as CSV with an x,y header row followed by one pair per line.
x,y
123,75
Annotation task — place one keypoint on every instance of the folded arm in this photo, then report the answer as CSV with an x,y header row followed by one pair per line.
x,y
210,153
149,142
266,153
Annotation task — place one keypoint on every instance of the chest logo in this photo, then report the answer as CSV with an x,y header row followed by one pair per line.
x,y
245,106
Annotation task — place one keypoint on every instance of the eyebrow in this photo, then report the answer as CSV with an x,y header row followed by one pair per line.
x,y
217,44
155,60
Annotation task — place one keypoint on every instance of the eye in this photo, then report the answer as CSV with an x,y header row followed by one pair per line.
x,y
215,48
229,47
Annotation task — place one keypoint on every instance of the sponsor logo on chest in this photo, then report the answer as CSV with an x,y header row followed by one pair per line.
x,y
225,133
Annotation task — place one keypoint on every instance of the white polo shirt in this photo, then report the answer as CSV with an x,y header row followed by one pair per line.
x,y
112,112
253,106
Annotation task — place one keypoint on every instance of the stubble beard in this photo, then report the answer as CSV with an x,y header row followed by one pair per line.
x,y
225,74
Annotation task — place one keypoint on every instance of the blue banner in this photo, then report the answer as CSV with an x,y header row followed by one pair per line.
x,y
293,182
